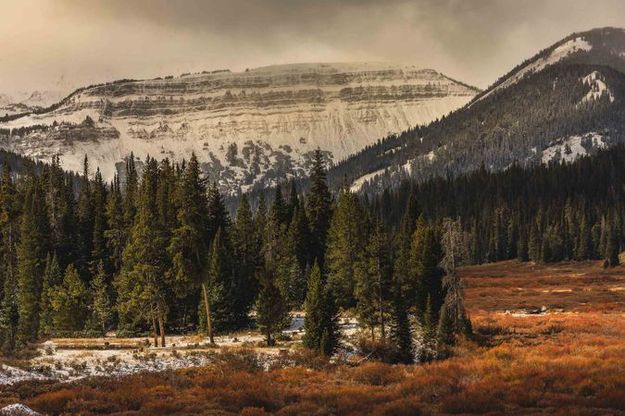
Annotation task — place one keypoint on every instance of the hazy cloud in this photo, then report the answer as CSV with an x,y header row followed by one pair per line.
x,y
91,41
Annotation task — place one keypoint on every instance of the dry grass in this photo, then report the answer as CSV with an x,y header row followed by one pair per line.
x,y
568,361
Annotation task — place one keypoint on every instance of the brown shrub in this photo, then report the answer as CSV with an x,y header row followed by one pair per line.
x,y
376,374
54,402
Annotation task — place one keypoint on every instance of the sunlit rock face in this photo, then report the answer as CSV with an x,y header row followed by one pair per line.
x,y
248,128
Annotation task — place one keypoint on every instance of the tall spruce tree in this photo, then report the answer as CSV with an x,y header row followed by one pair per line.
x,y
346,244
31,254
70,303
319,206
141,286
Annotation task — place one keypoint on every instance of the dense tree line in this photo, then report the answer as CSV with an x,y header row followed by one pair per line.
x,y
545,213
159,253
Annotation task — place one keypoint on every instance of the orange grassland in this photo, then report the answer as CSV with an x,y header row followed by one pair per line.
x,y
567,360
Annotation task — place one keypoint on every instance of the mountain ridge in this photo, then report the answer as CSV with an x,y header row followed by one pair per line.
x,y
566,94
248,128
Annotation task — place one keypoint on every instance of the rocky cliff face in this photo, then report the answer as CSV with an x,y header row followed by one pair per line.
x,y
248,129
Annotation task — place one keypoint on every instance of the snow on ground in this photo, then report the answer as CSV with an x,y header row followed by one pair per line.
x,y
559,53
17,409
570,148
597,86
68,359
359,183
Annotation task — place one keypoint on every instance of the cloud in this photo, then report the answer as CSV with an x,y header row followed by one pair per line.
x,y
475,41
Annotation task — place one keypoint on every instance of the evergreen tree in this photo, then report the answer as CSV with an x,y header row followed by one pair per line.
x,y
85,222
346,243
216,290
99,251
141,287
115,233
189,241
101,307
31,253
374,282
427,275
454,255
246,251
612,247
401,332
9,217
70,302
52,278
280,209
271,309
321,323
319,208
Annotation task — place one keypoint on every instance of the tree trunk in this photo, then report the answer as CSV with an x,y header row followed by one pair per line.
x,y
154,330
209,321
161,326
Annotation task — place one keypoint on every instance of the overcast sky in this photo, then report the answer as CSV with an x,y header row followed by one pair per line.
x,y
88,41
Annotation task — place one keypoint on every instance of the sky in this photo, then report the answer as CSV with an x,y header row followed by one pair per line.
x,y
51,44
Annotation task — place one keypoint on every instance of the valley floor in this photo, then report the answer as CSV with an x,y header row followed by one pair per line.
x,y
550,339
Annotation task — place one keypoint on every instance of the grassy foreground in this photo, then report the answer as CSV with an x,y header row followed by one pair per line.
x,y
550,340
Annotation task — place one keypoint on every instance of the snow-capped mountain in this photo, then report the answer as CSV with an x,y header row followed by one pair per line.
x,y
247,128
567,101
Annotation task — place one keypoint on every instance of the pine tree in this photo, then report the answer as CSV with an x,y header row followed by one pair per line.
x,y
373,283
141,285
280,209
246,251
454,255
271,309
9,221
52,278
70,302
85,222
115,233
189,241
321,322
319,208
426,273
99,251
401,332
346,243
534,244
612,246
101,307
217,302
31,253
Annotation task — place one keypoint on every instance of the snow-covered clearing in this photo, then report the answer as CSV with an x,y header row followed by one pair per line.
x,y
68,359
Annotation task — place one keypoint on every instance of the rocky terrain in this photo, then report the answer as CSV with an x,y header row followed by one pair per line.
x,y
248,129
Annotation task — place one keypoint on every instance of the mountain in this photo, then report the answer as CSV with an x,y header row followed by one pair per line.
x,y
566,101
247,128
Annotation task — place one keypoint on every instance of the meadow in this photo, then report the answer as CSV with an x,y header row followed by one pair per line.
x,y
549,339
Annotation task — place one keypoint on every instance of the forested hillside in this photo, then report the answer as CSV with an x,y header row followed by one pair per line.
x,y
568,98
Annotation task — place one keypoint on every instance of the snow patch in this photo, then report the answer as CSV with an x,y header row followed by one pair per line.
x,y
358,183
598,87
570,148
17,409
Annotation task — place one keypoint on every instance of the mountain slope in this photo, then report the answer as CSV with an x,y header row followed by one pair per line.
x,y
248,129
566,101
